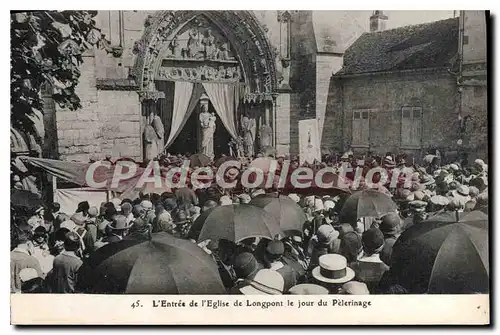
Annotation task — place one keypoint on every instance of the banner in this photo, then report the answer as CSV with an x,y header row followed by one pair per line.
x,y
309,141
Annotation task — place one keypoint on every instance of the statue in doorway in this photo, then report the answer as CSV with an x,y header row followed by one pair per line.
x,y
207,121
154,132
266,134
248,126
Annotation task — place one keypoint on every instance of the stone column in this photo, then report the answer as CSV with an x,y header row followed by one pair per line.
x,y
282,110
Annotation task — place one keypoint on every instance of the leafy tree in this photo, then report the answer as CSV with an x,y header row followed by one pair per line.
x,y
46,49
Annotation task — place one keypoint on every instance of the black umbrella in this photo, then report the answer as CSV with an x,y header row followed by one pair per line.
x,y
366,203
235,223
23,198
291,217
448,254
163,265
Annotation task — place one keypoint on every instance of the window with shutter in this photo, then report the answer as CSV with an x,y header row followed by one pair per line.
x,y
411,127
361,127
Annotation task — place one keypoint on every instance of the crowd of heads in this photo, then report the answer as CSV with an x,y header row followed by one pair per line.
x,y
331,255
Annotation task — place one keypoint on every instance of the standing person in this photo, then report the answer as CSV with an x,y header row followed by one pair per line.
x,y
273,260
21,258
324,242
369,268
332,272
63,277
245,268
115,231
37,219
40,250
390,226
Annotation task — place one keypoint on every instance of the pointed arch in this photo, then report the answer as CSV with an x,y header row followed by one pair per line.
x,y
241,28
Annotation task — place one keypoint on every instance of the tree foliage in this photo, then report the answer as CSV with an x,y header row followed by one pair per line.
x,y
46,49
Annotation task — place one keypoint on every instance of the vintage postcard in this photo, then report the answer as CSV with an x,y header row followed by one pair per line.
x,y
249,167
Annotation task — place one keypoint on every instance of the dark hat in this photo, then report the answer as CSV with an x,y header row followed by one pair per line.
x,y
83,206
110,212
373,239
351,246
390,224
71,241
245,264
40,231
275,248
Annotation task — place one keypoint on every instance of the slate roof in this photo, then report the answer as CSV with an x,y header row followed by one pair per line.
x,y
427,45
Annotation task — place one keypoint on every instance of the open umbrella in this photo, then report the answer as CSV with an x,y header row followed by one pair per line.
x,y
447,254
235,223
199,160
163,265
366,203
291,217
23,198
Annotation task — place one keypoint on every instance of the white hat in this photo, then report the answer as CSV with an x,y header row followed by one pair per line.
x,y
309,200
244,198
294,197
266,281
27,274
225,200
318,205
333,269
68,224
146,204
329,204
355,288
257,192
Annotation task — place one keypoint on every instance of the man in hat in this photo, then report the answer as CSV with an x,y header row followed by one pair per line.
x,y
390,226
149,213
332,272
139,230
418,213
245,267
115,231
369,268
64,275
21,258
354,288
273,260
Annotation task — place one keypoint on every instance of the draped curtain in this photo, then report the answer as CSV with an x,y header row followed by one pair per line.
x,y
186,96
222,97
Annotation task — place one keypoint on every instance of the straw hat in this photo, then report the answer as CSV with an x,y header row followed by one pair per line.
x,y
333,269
308,289
355,288
294,197
266,281
318,205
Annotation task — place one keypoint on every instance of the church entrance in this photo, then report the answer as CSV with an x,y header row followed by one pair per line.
x,y
188,140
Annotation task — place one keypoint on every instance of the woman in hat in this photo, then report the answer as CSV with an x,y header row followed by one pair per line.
x,y
325,241
273,259
245,268
41,251
37,219
64,275
390,226
351,247
370,268
332,272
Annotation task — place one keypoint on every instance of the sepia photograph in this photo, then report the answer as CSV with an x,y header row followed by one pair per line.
x,y
196,160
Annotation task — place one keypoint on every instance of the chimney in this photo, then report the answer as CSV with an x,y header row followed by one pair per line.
x,y
377,21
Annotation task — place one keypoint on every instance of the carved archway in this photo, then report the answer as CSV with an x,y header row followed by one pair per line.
x,y
246,37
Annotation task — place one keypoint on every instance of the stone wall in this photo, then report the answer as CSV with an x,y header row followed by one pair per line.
x,y
435,92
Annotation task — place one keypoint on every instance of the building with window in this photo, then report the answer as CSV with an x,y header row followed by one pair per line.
x,y
407,89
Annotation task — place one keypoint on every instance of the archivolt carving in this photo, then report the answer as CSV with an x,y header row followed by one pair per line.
x,y
243,54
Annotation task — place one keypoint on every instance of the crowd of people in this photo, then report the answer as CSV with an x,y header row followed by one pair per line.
x,y
332,255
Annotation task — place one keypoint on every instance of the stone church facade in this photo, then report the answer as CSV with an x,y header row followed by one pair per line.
x,y
288,66
281,60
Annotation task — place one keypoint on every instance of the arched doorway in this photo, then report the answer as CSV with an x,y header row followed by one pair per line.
x,y
226,48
